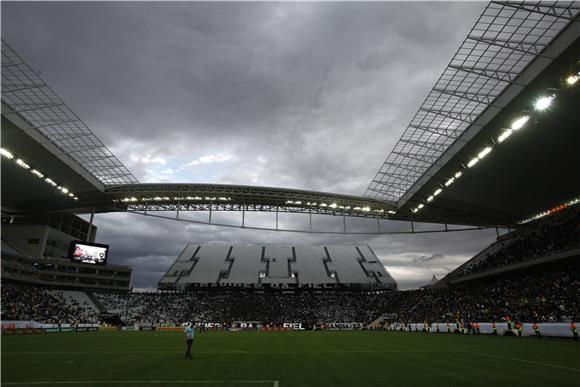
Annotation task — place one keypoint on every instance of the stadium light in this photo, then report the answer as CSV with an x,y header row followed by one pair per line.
x,y
6,153
37,173
430,198
472,162
458,174
366,209
392,212
72,195
449,182
543,103
420,206
572,79
333,205
22,164
437,191
504,135
298,202
50,181
517,124
323,204
485,151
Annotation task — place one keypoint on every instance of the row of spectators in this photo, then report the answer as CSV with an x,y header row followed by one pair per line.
x,y
25,302
526,244
538,296
529,297
228,306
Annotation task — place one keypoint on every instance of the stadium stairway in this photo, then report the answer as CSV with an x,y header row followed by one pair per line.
x,y
96,302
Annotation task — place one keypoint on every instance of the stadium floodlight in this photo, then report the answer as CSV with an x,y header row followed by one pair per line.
x,y
437,191
323,204
64,190
366,209
572,79
449,182
50,181
472,162
6,153
22,164
543,103
357,208
485,151
504,135
517,124
420,206
37,173
458,174
333,205
430,198
392,212
72,195
76,198
298,202
289,202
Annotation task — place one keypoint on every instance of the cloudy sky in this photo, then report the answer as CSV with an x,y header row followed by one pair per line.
x,y
298,95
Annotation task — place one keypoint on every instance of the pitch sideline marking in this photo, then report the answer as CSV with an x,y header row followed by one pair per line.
x,y
275,383
236,352
523,361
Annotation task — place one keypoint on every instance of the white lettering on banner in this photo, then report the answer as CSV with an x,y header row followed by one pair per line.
x,y
546,329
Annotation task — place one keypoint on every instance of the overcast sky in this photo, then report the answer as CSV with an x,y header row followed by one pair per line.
x,y
298,95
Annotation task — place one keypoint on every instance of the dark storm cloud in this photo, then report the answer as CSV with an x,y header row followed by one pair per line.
x,y
301,95
426,258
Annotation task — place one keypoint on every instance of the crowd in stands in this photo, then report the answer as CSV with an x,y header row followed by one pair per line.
x,y
527,244
552,296
228,306
539,296
26,302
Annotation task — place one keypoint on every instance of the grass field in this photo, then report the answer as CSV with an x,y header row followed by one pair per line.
x,y
285,359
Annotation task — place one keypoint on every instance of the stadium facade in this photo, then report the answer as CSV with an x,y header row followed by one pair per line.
x,y
36,250
277,267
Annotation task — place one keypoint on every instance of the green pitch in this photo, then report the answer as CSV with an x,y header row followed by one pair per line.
x,y
285,359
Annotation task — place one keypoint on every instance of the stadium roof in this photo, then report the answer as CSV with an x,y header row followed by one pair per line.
x,y
515,53
496,74
26,94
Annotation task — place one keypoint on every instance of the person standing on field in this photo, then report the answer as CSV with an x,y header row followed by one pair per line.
x,y
189,336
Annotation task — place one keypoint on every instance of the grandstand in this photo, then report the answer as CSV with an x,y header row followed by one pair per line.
x,y
276,266
494,145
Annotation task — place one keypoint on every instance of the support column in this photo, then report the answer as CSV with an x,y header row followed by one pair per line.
x,y
90,230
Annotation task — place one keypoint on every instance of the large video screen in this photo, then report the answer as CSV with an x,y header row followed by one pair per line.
x,y
92,253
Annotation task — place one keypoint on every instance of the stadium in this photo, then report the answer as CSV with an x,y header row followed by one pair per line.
x,y
493,147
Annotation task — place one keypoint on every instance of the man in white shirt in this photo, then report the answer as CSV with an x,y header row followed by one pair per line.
x,y
189,336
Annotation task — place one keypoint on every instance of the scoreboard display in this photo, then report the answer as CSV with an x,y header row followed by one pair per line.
x,y
92,253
